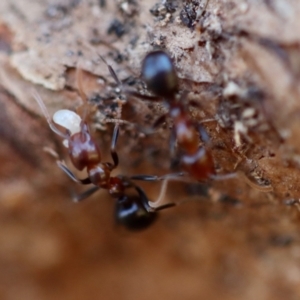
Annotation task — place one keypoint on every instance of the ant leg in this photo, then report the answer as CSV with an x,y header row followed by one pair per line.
x,y
45,112
147,204
223,176
159,121
124,89
152,206
145,201
63,167
144,130
143,197
141,96
113,152
86,194
51,152
159,178
201,9
164,206
118,81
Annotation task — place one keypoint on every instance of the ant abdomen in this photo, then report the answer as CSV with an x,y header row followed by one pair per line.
x,y
159,74
132,214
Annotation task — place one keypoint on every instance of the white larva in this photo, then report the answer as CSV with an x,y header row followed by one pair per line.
x,y
67,119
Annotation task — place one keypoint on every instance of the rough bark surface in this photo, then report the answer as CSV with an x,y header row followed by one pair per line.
x,y
238,238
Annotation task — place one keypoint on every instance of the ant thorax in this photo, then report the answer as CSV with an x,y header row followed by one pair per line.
x,y
69,120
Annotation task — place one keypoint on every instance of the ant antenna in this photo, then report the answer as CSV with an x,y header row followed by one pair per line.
x,y
45,112
81,92
111,71
119,101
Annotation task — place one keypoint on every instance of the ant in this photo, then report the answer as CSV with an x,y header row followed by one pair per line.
x,y
132,211
160,76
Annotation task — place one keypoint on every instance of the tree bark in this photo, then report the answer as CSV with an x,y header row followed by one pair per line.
x,y
238,62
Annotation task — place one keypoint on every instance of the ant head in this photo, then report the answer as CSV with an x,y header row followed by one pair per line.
x,y
159,74
131,213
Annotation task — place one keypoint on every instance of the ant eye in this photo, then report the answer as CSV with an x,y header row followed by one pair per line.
x,y
159,74
68,119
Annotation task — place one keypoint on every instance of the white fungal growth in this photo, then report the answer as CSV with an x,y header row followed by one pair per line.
x,y
67,119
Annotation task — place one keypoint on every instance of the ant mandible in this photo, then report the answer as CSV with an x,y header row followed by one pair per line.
x,y
161,79
132,211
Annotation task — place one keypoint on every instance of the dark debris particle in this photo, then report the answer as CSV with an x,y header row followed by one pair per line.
x,y
59,11
56,11
128,8
254,93
188,15
102,3
159,43
133,41
281,240
95,37
158,10
70,53
197,189
175,163
161,9
117,57
131,81
230,200
171,6
74,3
116,27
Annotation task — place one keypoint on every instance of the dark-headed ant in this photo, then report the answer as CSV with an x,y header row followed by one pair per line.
x,y
132,211
160,76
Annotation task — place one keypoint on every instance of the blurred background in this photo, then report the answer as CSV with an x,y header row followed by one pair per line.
x,y
226,239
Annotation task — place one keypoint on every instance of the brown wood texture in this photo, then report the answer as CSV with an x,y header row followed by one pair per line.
x,y
239,62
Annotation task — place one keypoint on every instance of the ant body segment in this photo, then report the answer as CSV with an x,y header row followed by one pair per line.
x,y
132,211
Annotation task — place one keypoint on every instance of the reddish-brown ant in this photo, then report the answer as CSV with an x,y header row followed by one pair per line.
x,y
160,76
132,211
